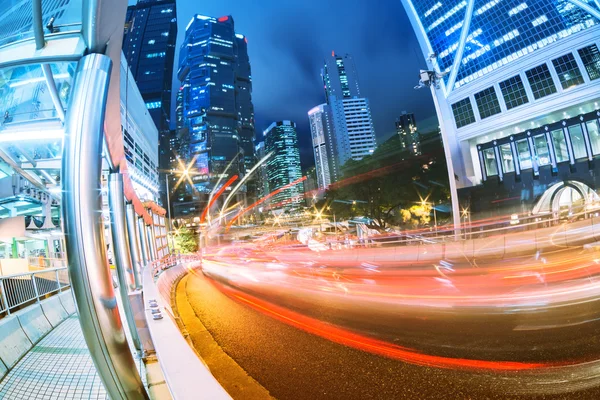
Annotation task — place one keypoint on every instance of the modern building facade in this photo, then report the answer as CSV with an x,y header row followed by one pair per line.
x,y
149,48
351,113
283,168
406,128
262,182
216,131
517,91
140,138
323,142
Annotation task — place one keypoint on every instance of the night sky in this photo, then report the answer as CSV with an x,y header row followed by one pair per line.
x,y
288,41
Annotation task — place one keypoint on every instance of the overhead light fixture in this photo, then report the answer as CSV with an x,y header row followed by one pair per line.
x,y
25,136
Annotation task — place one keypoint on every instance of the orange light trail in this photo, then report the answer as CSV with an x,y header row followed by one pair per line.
x,y
273,193
379,347
216,196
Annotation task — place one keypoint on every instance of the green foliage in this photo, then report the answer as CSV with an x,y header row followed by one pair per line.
x,y
186,241
389,186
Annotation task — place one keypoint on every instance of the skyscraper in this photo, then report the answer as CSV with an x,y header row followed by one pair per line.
x,y
517,87
323,142
351,113
406,128
283,168
215,103
149,48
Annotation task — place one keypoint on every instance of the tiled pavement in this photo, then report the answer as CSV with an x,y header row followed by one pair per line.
x,y
58,367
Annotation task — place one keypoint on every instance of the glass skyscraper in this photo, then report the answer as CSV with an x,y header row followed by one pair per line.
x,y
283,168
323,142
351,113
215,102
406,128
149,48
516,90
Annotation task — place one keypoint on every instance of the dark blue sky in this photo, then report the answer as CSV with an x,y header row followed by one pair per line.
x,y
288,40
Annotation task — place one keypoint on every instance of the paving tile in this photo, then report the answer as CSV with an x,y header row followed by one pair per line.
x,y
58,367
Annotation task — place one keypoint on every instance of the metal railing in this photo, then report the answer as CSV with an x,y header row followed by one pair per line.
x,y
22,289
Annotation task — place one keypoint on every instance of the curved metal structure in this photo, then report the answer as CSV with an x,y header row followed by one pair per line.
x,y
84,236
134,244
120,239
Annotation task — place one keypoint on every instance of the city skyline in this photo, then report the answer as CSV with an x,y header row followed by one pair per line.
x,y
286,64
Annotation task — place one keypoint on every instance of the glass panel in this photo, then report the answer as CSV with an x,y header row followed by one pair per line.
x,y
508,164
541,150
487,102
560,145
540,81
576,133
593,128
568,71
591,60
513,92
17,17
489,158
463,113
24,95
524,154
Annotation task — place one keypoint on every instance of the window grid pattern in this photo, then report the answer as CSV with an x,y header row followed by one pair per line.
x,y
487,102
591,60
542,149
499,34
463,113
513,92
568,71
541,81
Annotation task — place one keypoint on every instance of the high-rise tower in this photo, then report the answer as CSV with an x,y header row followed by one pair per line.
x,y
351,113
323,141
406,128
516,86
215,104
283,168
149,48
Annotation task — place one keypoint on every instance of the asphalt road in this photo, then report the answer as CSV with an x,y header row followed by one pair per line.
x,y
293,364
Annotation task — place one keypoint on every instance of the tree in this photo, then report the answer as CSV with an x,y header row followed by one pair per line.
x,y
186,241
389,186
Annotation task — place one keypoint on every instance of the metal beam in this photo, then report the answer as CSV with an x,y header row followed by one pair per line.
x,y
47,71
38,28
587,7
464,33
84,232
123,259
134,244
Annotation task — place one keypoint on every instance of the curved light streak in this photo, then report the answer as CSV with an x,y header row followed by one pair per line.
x,y
214,198
245,178
219,181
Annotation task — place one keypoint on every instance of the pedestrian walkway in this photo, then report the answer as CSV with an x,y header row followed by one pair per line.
x,y
58,367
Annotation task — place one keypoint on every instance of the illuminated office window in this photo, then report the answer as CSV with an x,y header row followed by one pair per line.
x,y
489,158
560,145
577,141
524,154
568,71
463,113
541,81
513,92
508,164
591,60
542,151
593,128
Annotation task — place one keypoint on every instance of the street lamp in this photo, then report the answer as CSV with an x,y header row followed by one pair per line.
x,y
185,172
